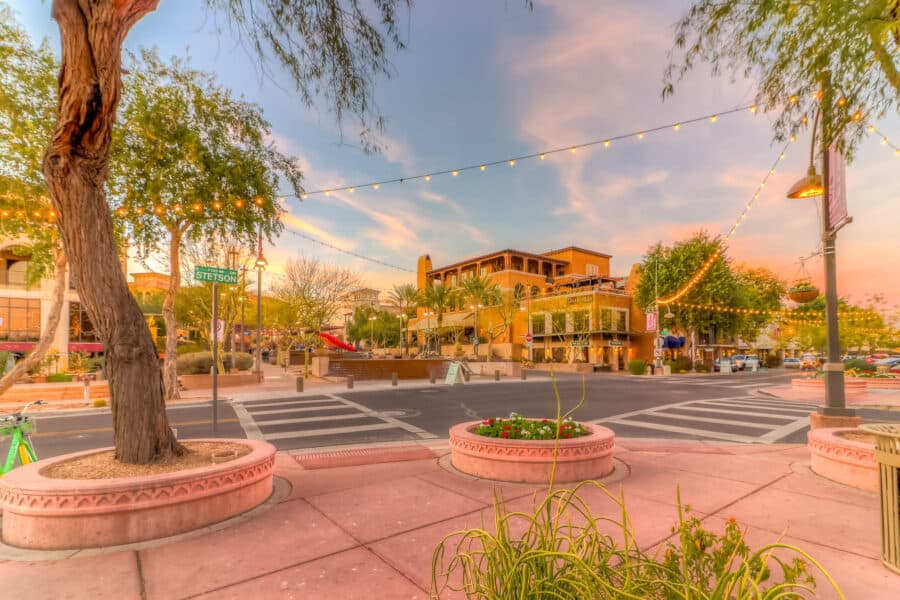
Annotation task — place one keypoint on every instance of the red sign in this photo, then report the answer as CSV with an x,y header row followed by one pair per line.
x,y
529,338
652,320
85,347
837,188
17,346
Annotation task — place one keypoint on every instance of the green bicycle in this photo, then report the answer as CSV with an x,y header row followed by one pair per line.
x,y
19,426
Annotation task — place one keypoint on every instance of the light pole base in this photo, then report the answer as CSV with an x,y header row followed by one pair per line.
x,y
825,417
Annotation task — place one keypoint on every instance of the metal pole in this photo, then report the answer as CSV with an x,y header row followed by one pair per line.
x,y
215,356
259,325
243,306
475,341
835,402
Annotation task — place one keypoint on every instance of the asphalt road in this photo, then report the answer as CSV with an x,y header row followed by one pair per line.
x,y
726,408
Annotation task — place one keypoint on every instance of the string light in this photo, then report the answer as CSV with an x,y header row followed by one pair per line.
x,y
606,141
885,141
851,314
348,252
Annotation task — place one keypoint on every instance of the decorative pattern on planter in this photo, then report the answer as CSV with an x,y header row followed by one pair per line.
x,y
531,461
839,459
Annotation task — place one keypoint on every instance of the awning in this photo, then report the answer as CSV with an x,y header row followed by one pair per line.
x,y
450,320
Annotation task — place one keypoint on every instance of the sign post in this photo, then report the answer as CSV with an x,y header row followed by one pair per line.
x,y
215,275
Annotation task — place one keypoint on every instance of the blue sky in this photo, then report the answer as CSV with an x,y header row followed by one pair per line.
x,y
485,80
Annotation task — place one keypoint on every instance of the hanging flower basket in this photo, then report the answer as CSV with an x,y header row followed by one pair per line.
x,y
803,292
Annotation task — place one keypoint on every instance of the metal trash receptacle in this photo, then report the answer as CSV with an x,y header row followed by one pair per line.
x,y
887,455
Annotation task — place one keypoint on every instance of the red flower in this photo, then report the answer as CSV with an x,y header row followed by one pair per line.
x,y
506,427
568,435
505,434
544,421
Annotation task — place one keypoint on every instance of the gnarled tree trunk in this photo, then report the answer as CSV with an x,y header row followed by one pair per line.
x,y
40,350
75,169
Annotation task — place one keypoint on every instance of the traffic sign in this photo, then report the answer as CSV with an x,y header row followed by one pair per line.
x,y
580,344
529,338
215,275
615,343
657,353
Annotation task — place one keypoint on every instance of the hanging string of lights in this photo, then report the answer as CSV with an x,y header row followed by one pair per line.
x,y
348,252
884,140
512,160
723,243
849,313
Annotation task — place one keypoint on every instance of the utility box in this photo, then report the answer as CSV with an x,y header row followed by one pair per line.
x,y
887,455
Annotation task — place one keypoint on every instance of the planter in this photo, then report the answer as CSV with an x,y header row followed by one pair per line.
x,y
881,383
530,461
202,382
49,514
845,461
803,295
852,385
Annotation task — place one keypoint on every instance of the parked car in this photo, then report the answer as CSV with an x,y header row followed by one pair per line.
x,y
751,362
792,363
809,361
738,361
717,366
891,362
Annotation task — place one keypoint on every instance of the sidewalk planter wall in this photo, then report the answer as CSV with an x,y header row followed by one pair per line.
x,y
381,368
882,383
846,461
852,385
48,514
530,461
203,382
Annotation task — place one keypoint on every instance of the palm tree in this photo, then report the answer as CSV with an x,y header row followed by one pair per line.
x,y
474,292
405,297
439,299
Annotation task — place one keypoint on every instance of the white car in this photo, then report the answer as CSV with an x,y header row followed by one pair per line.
x,y
751,362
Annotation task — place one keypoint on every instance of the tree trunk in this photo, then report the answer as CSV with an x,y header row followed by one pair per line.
x,y
75,169
40,350
170,364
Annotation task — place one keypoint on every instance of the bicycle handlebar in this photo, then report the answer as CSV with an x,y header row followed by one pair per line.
x,y
35,403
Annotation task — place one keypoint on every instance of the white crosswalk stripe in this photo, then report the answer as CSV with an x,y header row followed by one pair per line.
x,y
305,414
743,419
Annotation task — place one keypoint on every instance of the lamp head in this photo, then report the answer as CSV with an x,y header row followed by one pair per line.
x,y
807,187
261,262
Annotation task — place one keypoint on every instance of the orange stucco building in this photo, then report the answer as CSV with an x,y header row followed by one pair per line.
x,y
572,307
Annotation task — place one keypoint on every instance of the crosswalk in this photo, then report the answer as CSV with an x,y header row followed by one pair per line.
x,y
742,418
741,383
303,422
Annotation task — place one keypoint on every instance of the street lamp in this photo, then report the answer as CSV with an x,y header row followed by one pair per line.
x,y
243,304
261,263
813,186
527,309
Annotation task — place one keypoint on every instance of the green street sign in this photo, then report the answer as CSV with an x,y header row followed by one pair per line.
x,y
215,275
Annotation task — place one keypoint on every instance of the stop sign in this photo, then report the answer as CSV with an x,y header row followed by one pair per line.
x,y
529,338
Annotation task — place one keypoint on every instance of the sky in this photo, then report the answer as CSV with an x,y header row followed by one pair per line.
x,y
486,80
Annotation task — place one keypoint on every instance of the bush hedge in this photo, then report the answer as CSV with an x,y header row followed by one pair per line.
x,y
772,361
200,363
701,367
59,378
859,364
637,366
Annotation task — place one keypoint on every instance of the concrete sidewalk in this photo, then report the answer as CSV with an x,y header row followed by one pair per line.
x,y
876,398
363,523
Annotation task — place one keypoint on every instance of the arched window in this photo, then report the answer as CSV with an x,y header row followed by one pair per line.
x,y
15,273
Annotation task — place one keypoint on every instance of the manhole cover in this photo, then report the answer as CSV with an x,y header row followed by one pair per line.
x,y
399,413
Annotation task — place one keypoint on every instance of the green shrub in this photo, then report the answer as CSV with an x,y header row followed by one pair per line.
x,y
701,367
59,378
773,361
637,366
859,364
684,364
517,427
189,348
200,363
673,366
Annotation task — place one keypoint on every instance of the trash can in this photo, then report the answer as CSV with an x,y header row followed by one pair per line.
x,y
887,455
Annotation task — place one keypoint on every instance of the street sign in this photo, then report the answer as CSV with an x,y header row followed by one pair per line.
x,y
529,338
529,344
652,320
657,353
581,344
660,341
615,343
454,374
837,188
215,275
220,330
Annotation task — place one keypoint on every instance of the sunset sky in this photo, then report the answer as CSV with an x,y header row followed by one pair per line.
x,y
485,80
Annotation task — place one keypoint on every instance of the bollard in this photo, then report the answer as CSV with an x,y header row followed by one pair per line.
x,y
394,379
523,374
496,374
431,375
466,375
349,382
87,390
300,384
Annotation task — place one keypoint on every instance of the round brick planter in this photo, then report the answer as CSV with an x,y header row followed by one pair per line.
x,y
846,461
530,461
44,513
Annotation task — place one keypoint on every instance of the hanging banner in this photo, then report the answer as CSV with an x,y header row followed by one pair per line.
x,y
652,320
837,188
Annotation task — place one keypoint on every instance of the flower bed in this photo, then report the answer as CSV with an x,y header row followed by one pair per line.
x,y
517,427
582,457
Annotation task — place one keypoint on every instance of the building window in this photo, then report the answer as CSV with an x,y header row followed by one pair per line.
x,y
80,327
20,319
14,274
621,320
538,324
559,322
453,280
581,321
483,271
591,270
535,291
